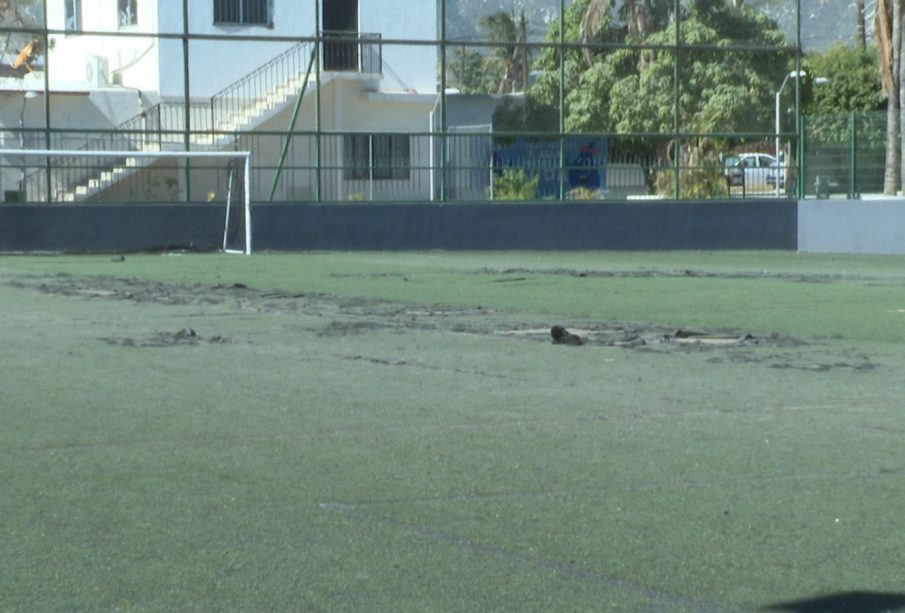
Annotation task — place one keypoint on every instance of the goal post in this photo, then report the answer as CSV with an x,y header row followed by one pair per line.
x,y
91,176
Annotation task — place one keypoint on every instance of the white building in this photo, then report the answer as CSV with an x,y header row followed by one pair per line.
x,y
135,58
240,66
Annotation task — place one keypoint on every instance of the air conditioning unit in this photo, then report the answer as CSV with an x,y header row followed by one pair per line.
x,y
97,71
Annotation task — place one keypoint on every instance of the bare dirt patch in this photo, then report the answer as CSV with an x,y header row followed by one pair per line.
x,y
341,316
186,336
517,274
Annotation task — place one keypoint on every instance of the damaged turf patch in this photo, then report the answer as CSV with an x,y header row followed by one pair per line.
x,y
186,336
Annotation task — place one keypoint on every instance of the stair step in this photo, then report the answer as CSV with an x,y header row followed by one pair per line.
x,y
233,121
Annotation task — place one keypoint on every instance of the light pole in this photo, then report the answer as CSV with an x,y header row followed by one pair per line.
x,y
29,95
795,74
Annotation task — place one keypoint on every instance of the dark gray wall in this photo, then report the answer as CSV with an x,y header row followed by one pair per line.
x,y
109,228
762,224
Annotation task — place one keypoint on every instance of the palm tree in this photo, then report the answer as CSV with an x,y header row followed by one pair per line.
x,y
888,28
509,58
593,18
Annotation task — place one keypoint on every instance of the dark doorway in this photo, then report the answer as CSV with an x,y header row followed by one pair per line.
x,y
340,21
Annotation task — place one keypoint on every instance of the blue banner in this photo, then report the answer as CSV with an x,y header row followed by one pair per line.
x,y
585,161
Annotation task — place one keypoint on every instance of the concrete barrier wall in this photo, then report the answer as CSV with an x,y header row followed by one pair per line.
x,y
109,228
764,224
852,226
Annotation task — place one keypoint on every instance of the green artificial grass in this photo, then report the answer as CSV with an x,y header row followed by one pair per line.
x,y
394,432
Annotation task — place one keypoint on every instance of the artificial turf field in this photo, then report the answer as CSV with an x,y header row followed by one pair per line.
x,y
396,432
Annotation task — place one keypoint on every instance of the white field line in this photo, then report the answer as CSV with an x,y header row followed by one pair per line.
x,y
562,568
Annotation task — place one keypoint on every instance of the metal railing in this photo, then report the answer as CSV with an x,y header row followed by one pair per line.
x,y
231,106
158,128
352,52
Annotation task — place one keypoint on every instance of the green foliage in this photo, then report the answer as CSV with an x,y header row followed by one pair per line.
x,y
466,71
849,104
703,179
504,68
515,184
853,81
633,91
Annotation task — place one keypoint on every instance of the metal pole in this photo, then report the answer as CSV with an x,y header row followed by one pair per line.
x,y
853,158
247,187
443,143
799,120
46,42
802,161
186,79
676,96
288,141
562,97
370,168
24,170
796,74
776,144
318,194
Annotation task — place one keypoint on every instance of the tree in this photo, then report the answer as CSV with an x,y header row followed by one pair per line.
x,y
509,58
860,26
466,70
853,82
887,25
631,90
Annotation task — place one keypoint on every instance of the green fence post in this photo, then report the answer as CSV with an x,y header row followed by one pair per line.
x,y
292,122
562,98
802,148
853,158
186,84
318,161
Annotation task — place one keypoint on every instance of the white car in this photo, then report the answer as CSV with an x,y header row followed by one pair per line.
x,y
749,170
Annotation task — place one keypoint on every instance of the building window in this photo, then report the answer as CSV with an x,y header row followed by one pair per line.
x,y
72,13
243,12
376,156
128,12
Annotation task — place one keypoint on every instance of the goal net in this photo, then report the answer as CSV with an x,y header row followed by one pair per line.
x,y
217,179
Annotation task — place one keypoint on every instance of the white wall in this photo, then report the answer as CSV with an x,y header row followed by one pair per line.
x,y
416,20
157,66
134,58
851,226
216,64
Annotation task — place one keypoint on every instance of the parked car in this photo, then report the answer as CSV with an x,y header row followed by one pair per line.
x,y
749,170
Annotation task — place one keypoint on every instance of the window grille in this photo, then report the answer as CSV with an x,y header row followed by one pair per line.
x,y
244,12
376,156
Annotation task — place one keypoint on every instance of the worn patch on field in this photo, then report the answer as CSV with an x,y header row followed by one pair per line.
x,y
350,316
186,336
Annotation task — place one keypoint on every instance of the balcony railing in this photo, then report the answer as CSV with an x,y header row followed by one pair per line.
x,y
352,52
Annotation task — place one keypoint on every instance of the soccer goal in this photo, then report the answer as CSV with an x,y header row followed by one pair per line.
x,y
212,178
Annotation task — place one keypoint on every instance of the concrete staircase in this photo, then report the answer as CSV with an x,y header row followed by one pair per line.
x,y
240,107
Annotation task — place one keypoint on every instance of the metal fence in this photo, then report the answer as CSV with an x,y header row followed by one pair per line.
x,y
844,154
450,162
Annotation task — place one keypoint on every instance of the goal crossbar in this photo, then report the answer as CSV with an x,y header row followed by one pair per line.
x,y
82,153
